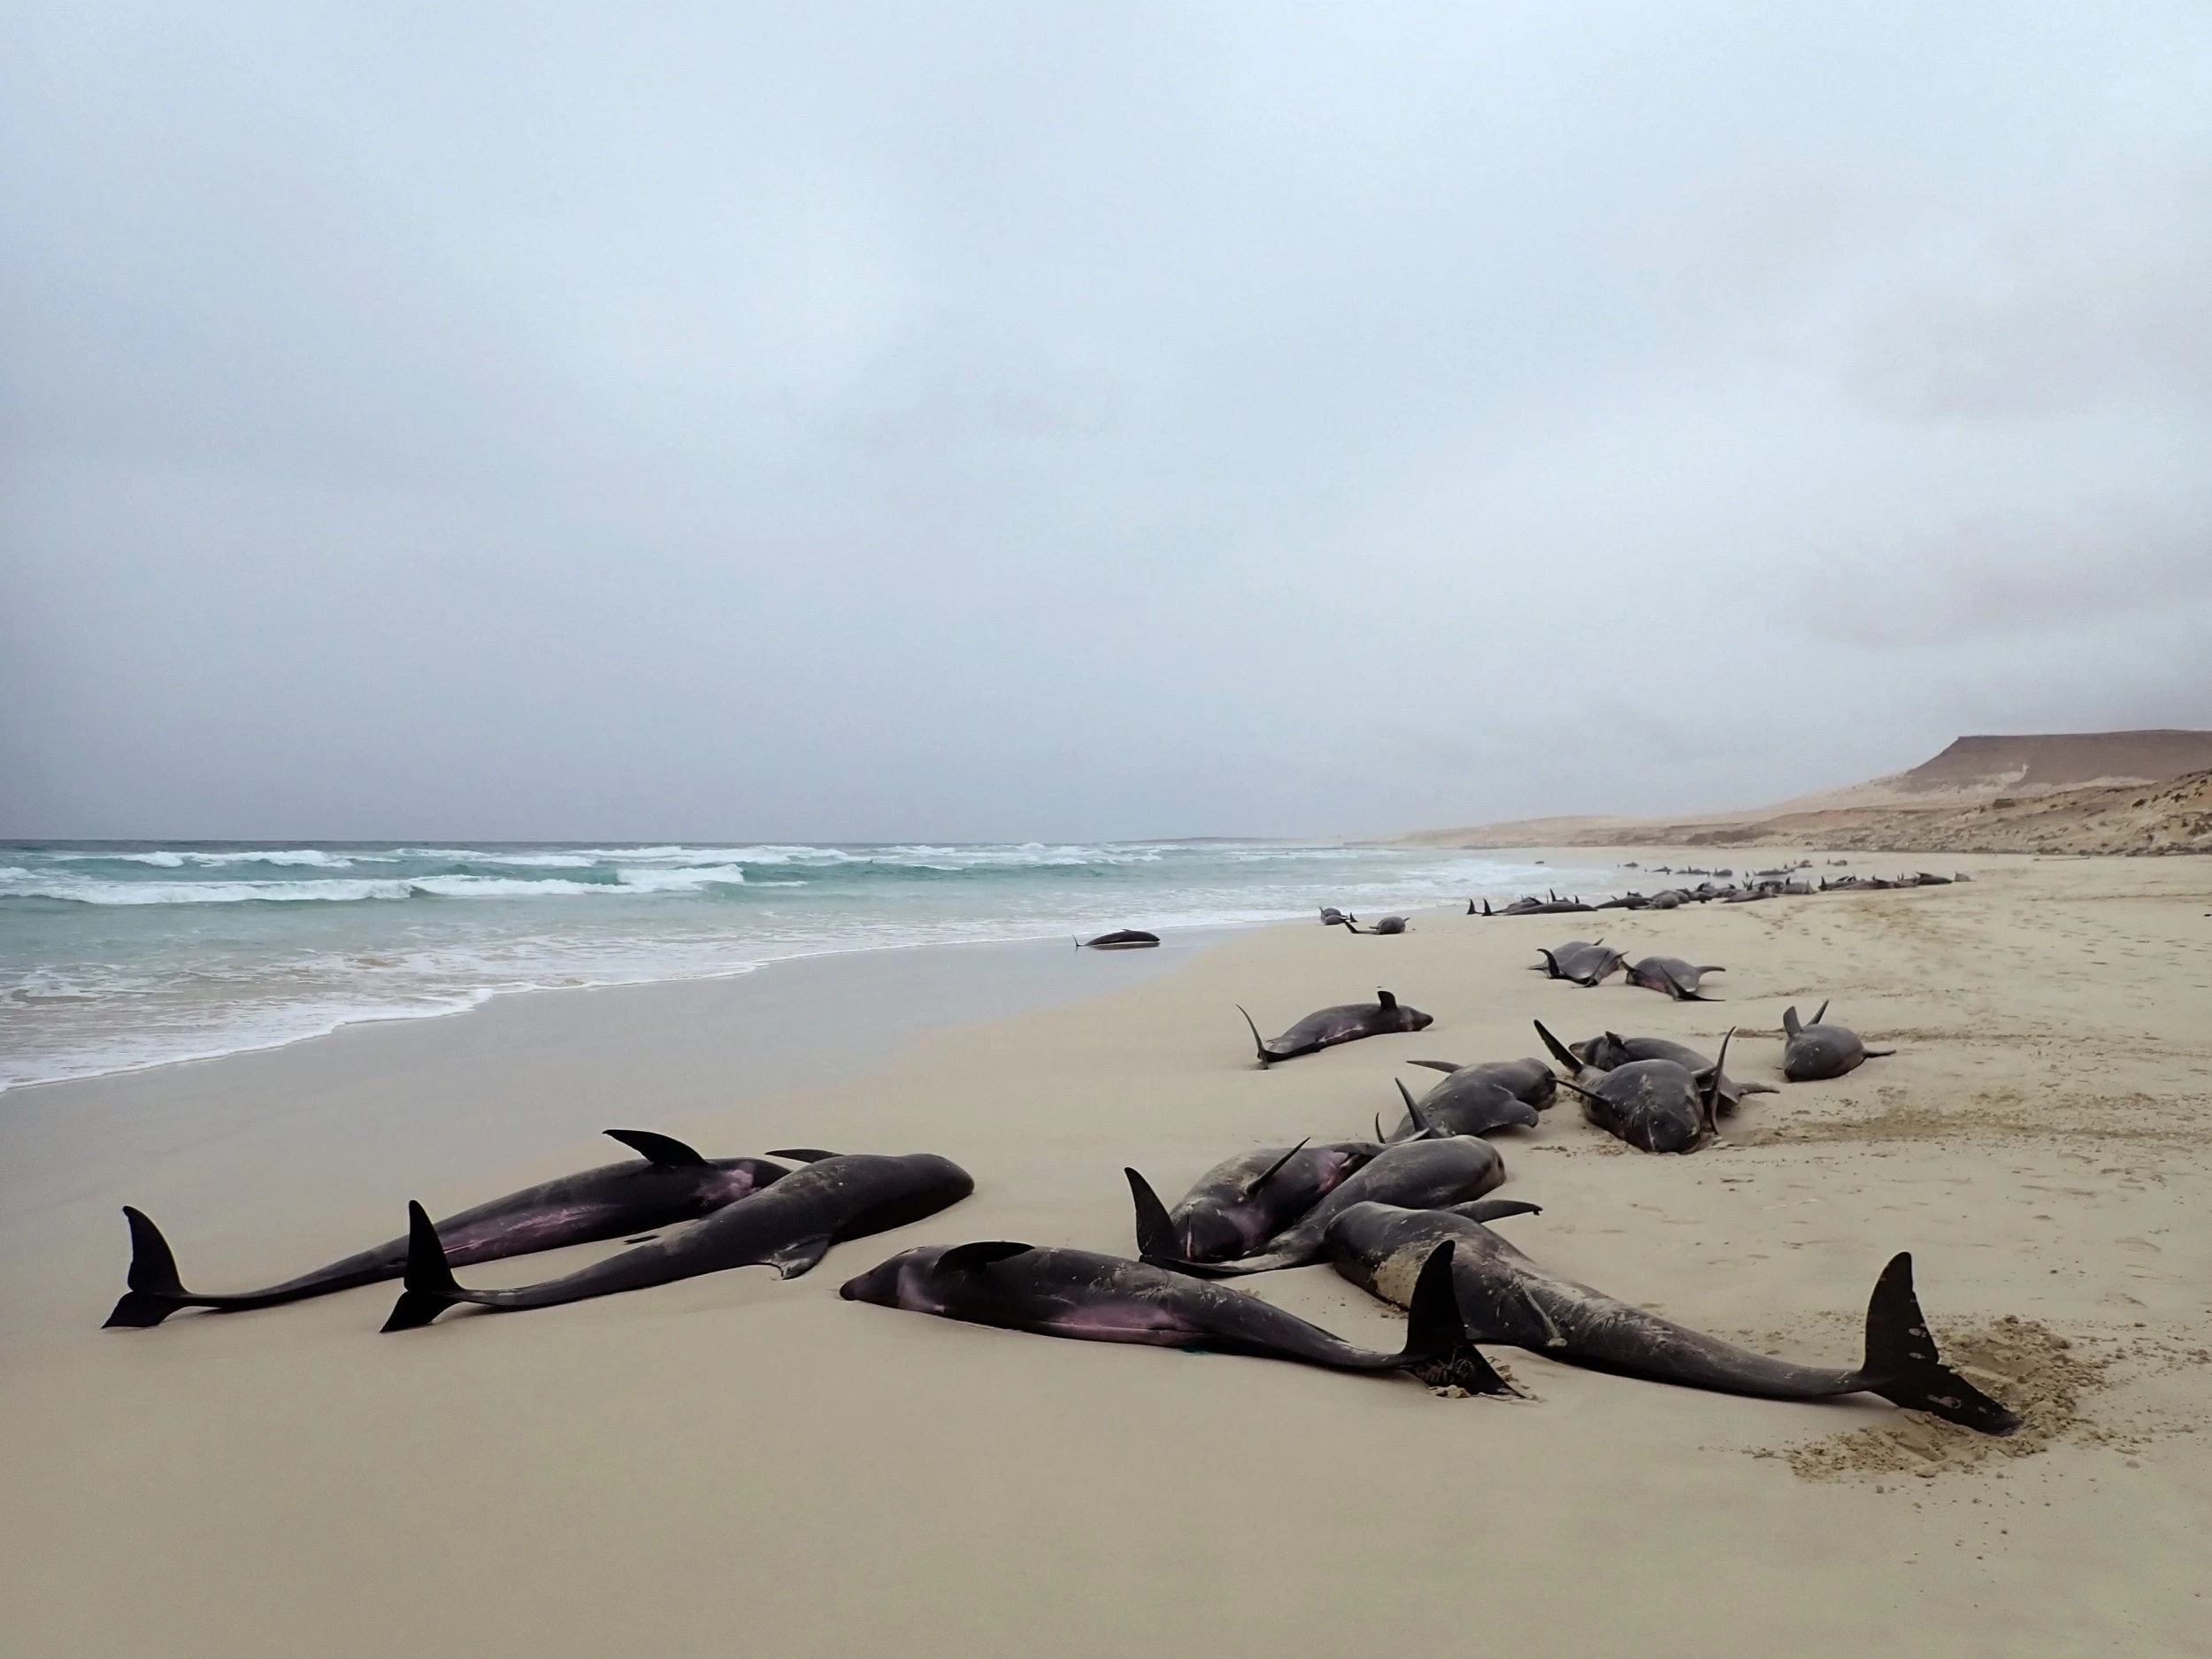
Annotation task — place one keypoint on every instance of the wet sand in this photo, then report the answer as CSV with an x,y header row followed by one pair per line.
x,y
744,1463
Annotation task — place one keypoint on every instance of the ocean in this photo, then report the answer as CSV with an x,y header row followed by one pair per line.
x,y
116,956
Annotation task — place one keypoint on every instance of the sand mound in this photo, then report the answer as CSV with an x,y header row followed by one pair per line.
x,y
2032,1368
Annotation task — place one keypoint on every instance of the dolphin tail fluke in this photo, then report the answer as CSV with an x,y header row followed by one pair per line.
x,y
1903,1366
1437,1350
1156,1233
431,1286
155,1291
1258,1042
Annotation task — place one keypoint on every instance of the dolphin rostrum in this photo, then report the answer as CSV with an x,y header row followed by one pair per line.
x,y
1504,1297
1096,1298
1347,1022
1239,1204
673,1184
1816,1051
789,1227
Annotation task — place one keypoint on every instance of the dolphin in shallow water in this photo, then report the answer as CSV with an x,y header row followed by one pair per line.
x,y
1504,1297
1103,1299
1126,939
672,1184
789,1227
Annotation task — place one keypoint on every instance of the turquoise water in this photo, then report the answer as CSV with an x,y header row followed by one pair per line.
x,y
115,955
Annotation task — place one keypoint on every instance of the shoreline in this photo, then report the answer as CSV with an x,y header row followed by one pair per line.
x,y
638,1469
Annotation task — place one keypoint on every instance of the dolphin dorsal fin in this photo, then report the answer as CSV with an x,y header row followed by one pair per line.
x,y
1275,1168
969,1258
1385,1000
666,1150
1413,1112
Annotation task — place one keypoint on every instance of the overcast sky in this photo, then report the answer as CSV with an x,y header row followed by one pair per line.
x,y
1053,421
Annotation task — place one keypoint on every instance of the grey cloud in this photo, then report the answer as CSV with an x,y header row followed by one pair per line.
x,y
849,422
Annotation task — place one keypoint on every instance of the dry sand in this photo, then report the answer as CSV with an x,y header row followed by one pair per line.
x,y
745,1465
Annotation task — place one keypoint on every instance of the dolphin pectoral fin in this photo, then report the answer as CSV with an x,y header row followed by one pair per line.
x,y
1756,1088
1879,1054
1903,1366
1421,1129
1822,1015
970,1258
664,1150
1155,1232
1437,1350
1275,1168
155,1291
431,1287
799,1255
801,1154
1489,1209
1436,1066
1790,1022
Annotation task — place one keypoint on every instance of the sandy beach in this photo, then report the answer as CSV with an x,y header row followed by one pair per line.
x,y
739,1463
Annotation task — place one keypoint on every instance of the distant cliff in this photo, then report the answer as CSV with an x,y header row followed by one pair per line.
x,y
2079,792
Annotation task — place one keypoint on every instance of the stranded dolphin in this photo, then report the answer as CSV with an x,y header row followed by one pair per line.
x,y
1388,925
1673,977
673,1184
1530,1081
1583,962
1811,1053
1463,1105
1128,939
1504,1297
1656,1105
1103,1299
1604,1053
1420,1174
1239,1204
1347,1022
789,1227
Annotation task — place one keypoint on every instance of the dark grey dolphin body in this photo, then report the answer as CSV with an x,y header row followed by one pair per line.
x,y
1126,939
1655,1105
1584,961
1604,1053
1241,1203
1814,1051
672,1184
789,1227
1388,925
1530,1081
1347,1022
1420,1174
1463,1105
1095,1298
1504,1297
1671,977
